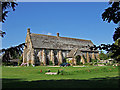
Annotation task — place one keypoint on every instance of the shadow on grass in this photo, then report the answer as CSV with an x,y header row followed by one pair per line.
x,y
108,82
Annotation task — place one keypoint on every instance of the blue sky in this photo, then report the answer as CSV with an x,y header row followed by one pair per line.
x,y
81,20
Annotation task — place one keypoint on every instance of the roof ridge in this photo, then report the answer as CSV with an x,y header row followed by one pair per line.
x,y
43,35
62,37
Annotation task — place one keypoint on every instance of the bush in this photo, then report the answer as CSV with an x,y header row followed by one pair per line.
x,y
105,63
95,63
7,64
81,63
50,63
20,60
87,64
41,64
78,63
70,61
67,60
4,64
61,72
58,71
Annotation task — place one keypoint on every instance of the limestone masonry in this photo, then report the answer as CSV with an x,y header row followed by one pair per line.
x,y
42,49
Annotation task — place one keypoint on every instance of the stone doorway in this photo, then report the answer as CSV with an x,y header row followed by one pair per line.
x,y
78,59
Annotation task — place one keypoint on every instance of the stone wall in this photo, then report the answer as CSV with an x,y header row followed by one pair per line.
x,y
44,56
43,49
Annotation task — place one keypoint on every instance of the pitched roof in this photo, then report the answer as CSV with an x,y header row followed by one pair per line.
x,y
55,42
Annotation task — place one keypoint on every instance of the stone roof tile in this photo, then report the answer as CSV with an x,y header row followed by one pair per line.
x,y
54,42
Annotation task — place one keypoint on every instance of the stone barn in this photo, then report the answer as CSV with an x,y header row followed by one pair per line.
x,y
46,49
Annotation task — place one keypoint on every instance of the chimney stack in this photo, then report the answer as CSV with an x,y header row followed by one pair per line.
x,y
58,35
28,31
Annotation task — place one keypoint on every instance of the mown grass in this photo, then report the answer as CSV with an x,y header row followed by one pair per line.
x,y
77,77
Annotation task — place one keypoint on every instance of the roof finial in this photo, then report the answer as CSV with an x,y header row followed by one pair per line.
x,y
58,35
28,31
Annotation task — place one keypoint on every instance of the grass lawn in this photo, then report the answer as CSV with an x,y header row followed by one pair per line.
x,y
73,77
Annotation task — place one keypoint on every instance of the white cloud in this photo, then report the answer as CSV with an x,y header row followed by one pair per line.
x,y
49,33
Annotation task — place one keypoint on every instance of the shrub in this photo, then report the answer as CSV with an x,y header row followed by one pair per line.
x,y
81,63
67,60
41,64
95,63
87,64
105,63
4,64
61,72
70,61
58,71
50,63
20,60
48,70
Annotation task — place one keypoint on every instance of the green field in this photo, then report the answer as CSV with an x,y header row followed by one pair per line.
x,y
72,77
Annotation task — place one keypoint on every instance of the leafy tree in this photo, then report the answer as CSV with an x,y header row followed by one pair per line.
x,y
109,55
116,34
117,43
12,52
112,14
2,33
102,55
5,7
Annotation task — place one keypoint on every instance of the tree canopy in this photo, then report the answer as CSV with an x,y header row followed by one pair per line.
x,y
102,55
112,13
5,7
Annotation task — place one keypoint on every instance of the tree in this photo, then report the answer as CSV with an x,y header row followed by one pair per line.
x,y
102,55
116,34
112,14
5,7
11,52
2,33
